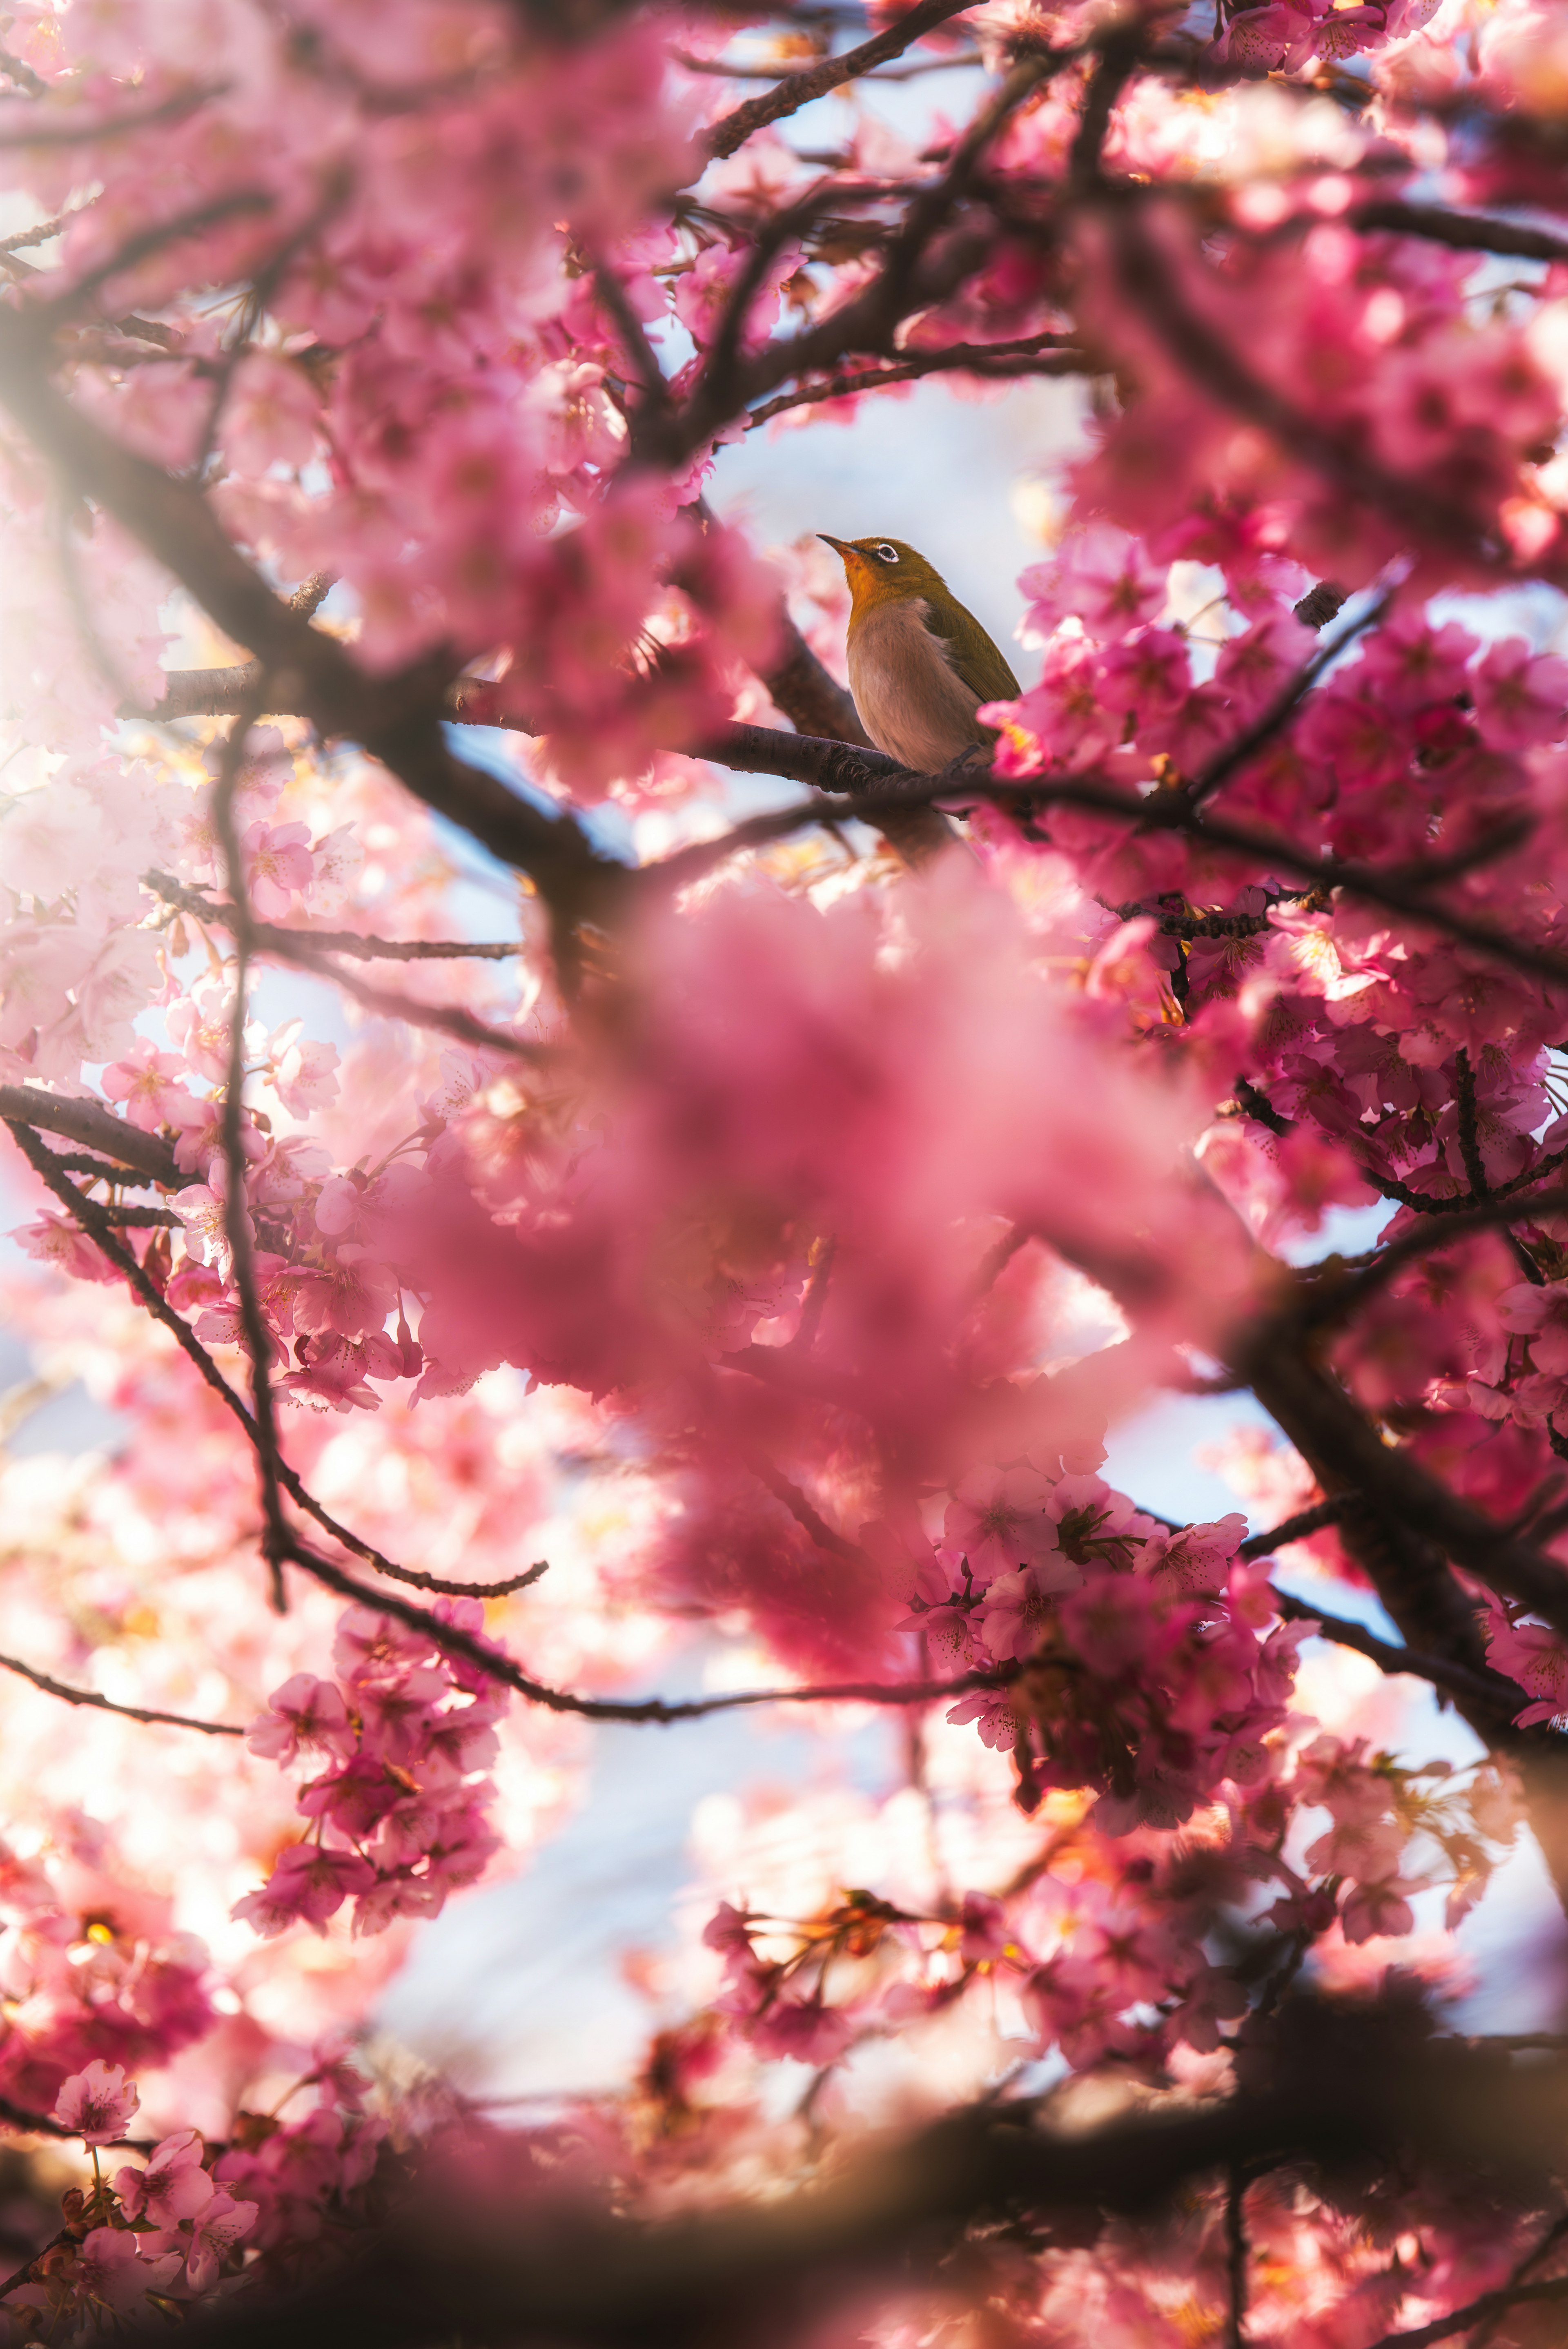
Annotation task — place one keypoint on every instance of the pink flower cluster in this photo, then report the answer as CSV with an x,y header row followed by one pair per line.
x,y
406,1732
95,1978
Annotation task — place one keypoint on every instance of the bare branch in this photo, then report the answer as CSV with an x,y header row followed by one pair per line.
x,y
1500,1697
1490,2304
266,935
1046,355
99,1222
57,132
1327,1426
306,950
1466,232
89,1123
835,768
1293,1529
796,90
236,1214
105,1704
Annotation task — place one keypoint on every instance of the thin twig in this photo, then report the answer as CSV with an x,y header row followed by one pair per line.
x,y
364,949
1497,1696
1295,1528
1045,355
56,133
1264,728
799,89
236,1219
97,1222
106,1705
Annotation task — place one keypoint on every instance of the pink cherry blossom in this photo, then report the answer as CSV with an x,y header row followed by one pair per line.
x,y
998,1522
309,1883
97,2102
305,1716
111,2275
172,2185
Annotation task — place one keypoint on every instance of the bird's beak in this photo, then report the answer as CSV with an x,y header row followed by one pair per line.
x,y
839,545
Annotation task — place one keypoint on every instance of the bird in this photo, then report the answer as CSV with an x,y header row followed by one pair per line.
x,y
920,665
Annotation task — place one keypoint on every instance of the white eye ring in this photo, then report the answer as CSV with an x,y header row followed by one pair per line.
x,y
886,553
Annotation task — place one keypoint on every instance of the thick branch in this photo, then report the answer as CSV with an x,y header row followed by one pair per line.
x,y
1466,232
396,719
1346,2091
1333,1435
96,1127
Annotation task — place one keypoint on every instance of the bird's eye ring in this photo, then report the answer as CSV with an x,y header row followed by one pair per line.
x,y
886,553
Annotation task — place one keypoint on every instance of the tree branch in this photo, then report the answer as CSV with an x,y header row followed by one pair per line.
x,y
98,1223
1459,2319
89,1123
396,718
1046,354
1466,232
1293,1529
105,1704
305,951
266,935
802,760
796,90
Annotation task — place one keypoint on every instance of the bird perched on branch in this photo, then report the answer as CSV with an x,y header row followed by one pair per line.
x,y
920,665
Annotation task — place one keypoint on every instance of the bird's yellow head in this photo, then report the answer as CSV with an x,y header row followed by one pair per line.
x,y
886,571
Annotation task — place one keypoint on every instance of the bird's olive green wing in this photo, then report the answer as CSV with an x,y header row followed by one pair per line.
x,y
973,655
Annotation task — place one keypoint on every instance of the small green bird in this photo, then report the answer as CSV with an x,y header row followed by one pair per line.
x,y
920,665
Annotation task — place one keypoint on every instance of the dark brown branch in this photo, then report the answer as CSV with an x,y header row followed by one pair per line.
x,y
796,90
242,203
802,760
1336,1297
1328,1429
267,935
1293,1529
396,719
1501,1698
1466,232
95,1126
105,1704
1254,738
1235,2257
720,71
1490,2304
305,951
57,133
1344,2090
1047,354
98,1223
501,1667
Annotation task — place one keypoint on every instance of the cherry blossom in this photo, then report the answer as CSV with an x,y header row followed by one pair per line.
x,y
524,1243
95,2103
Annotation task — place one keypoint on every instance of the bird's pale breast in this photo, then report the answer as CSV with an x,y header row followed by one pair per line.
x,y
910,703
